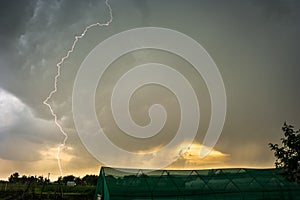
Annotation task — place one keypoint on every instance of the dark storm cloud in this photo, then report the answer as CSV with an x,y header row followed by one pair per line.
x,y
37,34
80,9
254,43
13,17
33,36
278,9
145,11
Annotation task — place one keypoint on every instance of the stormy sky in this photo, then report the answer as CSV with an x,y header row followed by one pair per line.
x,y
254,43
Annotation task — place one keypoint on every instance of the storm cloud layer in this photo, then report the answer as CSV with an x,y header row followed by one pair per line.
x,y
254,43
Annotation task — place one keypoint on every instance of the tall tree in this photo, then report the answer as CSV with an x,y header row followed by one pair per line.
x,y
90,179
14,178
288,155
65,179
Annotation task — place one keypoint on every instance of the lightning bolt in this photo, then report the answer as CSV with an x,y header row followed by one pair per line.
x,y
58,65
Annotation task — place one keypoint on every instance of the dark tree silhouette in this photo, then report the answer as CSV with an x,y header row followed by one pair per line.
x,y
14,178
288,155
78,181
65,179
90,179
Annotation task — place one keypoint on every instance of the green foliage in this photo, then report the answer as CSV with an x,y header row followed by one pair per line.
x,y
14,178
65,179
288,155
90,179
32,187
86,180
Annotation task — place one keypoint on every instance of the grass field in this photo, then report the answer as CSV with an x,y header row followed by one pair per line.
x,y
45,191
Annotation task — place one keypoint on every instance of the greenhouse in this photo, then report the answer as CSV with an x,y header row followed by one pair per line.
x,y
125,184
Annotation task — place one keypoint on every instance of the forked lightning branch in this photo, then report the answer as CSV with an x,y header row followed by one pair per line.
x,y
58,73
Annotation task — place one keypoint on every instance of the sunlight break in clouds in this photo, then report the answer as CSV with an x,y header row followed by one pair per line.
x,y
189,157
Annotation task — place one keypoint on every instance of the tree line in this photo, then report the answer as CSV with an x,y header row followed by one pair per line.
x,y
86,180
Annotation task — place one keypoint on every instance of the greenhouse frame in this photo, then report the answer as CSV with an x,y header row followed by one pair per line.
x,y
242,183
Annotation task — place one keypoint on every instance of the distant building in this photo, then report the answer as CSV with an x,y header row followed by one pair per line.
x,y
71,183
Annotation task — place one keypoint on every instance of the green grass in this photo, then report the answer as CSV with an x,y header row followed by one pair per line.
x,y
50,191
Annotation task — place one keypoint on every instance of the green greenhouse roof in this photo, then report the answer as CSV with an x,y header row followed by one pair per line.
x,y
194,184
